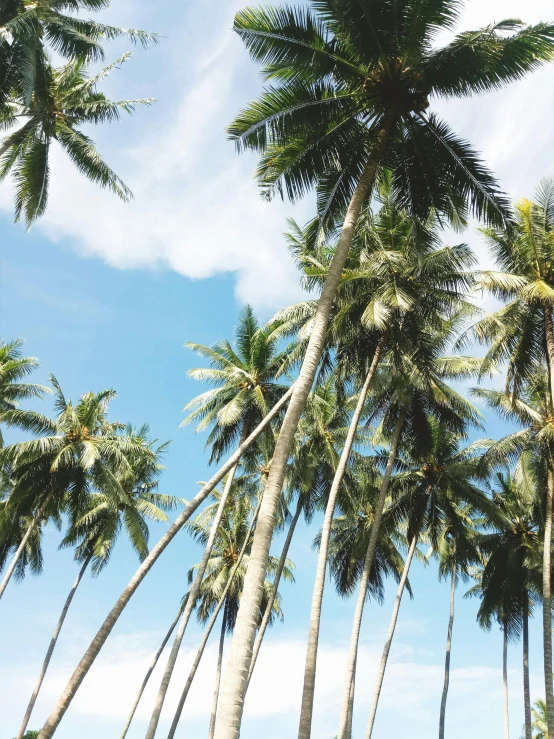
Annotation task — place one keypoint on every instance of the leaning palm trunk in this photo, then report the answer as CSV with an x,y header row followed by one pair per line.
x,y
212,621
442,718
546,564
218,675
189,606
350,716
317,597
21,548
98,642
274,588
235,682
390,635
505,683
149,672
526,686
51,647
368,562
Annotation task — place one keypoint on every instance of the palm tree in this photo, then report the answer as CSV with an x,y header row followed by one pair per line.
x,y
539,720
96,532
351,87
14,367
64,100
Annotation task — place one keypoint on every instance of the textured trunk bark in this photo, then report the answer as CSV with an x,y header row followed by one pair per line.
x,y
99,640
149,672
218,674
212,621
317,597
546,606
189,607
21,547
526,686
350,716
442,719
505,684
267,613
390,635
51,648
235,680
358,613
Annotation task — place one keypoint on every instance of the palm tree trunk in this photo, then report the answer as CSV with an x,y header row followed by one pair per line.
x,y
52,646
21,548
350,716
149,673
505,683
218,675
189,606
275,587
358,613
526,687
546,604
212,621
99,640
235,681
390,635
317,597
442,719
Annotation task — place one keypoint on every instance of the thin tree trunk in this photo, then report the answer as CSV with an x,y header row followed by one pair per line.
x,y
390,635
442,719
350,716
505,683
358,613
21,548
218,675
546,563
212,621
275,587
149,673
98,642
235,682
51,647
319,584
189,606
526,687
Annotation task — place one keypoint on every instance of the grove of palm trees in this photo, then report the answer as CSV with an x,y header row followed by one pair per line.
x,y
329,513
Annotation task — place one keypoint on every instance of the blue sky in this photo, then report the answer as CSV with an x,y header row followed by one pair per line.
x,y
106,294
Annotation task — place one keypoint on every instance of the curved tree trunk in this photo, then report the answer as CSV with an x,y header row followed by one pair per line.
x,y
99,640
442,719
368,562
526,687
189,606
21,548
505,684
275,587
218,675
235,681
390,635
212,621
317,597
546,563
350,717
51,648
149,673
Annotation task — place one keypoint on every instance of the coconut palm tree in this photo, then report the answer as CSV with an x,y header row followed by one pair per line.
x,y
350,87
63,101
539,720
94,535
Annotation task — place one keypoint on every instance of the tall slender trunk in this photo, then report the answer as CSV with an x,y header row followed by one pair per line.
x,y
442,719
526,687
547,548
317,597
189,607
350,716
21,548
149,672
390,635
51,647
212,621
368,562
235,681
505,683
218,675
275,587
99,640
